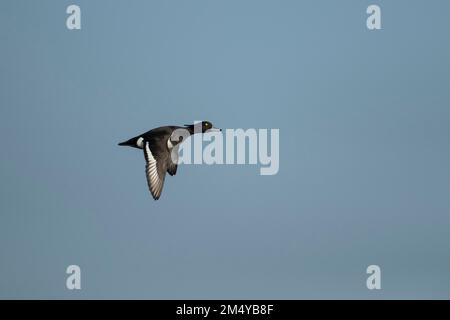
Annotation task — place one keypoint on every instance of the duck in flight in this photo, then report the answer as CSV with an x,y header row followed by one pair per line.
x,y
158,145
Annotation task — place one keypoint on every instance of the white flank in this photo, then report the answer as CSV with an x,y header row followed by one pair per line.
x,y
139,142
169,144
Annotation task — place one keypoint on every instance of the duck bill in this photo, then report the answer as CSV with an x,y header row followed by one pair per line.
x,y
215,129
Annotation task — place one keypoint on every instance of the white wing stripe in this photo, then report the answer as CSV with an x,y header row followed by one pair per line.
x,y
149,154
155,182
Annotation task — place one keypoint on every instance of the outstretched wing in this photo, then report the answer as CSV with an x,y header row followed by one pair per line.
x,y
155,169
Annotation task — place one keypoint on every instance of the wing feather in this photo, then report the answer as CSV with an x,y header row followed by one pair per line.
x,y
155,170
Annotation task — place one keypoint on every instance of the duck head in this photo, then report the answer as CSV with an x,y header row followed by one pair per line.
x,y
205,126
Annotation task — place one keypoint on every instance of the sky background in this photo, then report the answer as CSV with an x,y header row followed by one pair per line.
x,y
364,149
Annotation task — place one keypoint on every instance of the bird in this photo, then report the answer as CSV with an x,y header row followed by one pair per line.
x,y
160,146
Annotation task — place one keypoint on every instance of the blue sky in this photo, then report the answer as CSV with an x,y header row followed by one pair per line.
x,y
364,160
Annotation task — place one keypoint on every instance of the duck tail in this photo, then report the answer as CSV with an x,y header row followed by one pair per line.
x,y
129,143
